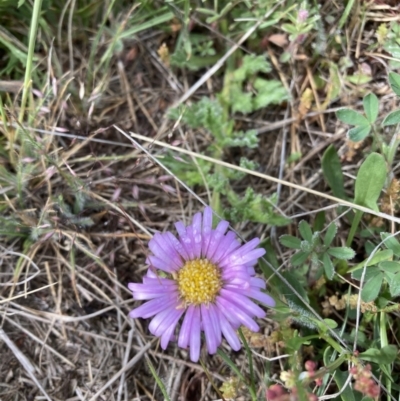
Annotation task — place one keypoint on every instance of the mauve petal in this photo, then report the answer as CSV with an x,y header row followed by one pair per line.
x,y
170,320
206,237
261,297
248,258
232,319
251,271
179,248
252,263
184,334
180,227
195,336
196,223
162,318
207,220
243,303
258,282
144,292
161,264
242,287
209,332
195,239
162,249
239,284
240,252
229,332
215,323
162,281
228,244
230,275
151,273
222,226
151,288
231,310
216,240
144,296
188,243
151,308
167,334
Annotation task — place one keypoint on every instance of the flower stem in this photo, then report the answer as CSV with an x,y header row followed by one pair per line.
x,y
252,387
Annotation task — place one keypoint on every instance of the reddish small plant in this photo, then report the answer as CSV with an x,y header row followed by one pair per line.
x,y
364,383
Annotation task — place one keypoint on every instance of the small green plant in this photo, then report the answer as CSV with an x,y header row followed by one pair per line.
x,y
214,115
367,123
316,250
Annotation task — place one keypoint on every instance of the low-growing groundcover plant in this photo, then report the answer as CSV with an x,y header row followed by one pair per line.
x,y
207,277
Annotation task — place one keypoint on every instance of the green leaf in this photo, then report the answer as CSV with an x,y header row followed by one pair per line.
x,y
289,28
248,139
383,356
378,257
241,101
351,117
370,180
392,118
328,266
305,231
372,288
330,234
231,364
394,81
293,279
158,380
290,242
254,207
340,378
251,64
371,107
369,273
295,343
394,285
270,256
341,252
299,258
391,243
390,267
268,92
358,133
332,170
330,323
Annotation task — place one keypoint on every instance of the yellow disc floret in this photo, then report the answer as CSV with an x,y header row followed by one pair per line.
x,y
199,282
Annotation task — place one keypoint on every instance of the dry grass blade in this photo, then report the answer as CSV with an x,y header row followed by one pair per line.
x,y
24,361
25,294
124,369
264,176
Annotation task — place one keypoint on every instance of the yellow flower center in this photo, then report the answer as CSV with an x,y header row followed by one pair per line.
x,y
199,282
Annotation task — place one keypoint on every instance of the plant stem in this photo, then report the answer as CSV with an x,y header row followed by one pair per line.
x,y
37,6
252,386
385,342
354,226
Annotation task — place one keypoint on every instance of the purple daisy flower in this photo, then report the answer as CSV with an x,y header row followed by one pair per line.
x,y
208,278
